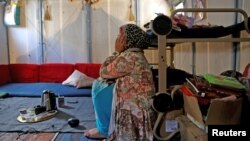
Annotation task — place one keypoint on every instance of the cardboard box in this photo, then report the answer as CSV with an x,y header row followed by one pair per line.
x,y
220,112
168,117
190,132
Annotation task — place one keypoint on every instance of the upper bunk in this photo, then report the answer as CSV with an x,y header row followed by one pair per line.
x,y
200,34
162,33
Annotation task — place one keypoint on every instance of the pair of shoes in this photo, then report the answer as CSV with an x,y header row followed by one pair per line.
x,y
94,134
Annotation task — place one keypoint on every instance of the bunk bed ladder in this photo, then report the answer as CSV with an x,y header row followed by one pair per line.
x,y
162,26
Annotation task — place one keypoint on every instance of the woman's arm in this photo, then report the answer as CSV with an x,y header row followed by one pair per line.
x,y
115,67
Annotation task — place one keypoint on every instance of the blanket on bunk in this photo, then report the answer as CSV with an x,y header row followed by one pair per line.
x,y
206,32
83,110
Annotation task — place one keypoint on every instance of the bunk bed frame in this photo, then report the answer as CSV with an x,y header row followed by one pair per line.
x,y
162,62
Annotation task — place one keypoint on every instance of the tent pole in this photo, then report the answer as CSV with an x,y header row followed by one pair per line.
x,y
89,32
41,59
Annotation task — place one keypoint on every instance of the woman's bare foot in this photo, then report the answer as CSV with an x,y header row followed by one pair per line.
x,y
93,133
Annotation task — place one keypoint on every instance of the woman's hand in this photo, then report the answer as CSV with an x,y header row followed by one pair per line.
x,y
120,42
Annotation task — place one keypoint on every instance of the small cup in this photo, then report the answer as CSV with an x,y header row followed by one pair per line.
x,y
23,112
60,101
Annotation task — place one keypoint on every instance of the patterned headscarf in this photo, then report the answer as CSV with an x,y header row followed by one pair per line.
x,y
136,37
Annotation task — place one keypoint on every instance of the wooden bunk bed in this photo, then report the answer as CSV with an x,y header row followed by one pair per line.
x,y
163,41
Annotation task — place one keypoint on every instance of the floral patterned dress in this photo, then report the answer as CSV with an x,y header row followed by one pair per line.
x,y
133,115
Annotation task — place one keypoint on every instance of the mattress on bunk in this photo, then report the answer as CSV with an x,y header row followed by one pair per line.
x,y
36,89
197,32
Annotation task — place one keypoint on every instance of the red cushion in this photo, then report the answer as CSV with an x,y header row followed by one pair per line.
x,y
4,74
91,70
55,72
24,73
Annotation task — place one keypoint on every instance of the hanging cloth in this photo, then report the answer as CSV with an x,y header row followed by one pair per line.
x,y
131,16
12,13
47,14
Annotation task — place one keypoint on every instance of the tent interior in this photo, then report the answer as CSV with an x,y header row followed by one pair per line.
x,y
84,31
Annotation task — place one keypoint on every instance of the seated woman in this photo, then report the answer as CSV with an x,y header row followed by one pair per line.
x,y
132,117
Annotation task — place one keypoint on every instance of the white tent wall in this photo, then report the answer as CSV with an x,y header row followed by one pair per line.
x,y
107,17
65,33
23,39
3,40
66,38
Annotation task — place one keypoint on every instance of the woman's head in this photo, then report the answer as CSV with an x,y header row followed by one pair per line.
x,y
135,36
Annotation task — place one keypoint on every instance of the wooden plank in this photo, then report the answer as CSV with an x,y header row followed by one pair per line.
x,y
5,136
14,136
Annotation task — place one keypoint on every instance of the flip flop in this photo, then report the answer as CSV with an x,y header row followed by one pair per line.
x,y
94,138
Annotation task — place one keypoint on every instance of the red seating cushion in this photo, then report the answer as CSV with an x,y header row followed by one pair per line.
x,y
4,74
91,70
25,73
55,72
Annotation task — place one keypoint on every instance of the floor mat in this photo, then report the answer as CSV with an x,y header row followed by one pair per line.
x,y
81,108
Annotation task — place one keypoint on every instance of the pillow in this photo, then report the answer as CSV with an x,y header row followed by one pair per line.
x,y
78,80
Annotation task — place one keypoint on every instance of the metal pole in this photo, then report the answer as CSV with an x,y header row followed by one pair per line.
x,y
42,59
236,45
89,31
137,12
8,45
